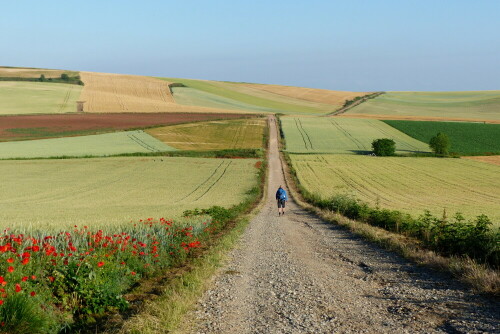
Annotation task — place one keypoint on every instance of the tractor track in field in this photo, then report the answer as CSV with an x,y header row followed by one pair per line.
x,y
299,274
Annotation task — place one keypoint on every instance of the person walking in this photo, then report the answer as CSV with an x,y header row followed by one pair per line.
x,y
281,198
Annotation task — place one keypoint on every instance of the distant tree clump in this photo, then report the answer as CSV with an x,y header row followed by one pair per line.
x,y
64,77
384,147
42,78
440,144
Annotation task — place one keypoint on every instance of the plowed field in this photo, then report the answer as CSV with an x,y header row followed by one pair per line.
x,y
50,126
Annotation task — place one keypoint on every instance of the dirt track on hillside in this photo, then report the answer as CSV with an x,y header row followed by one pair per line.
x,y
298,274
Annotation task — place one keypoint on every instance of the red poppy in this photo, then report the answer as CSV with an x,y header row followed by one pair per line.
x,y
10,260
24,279
33,277
10,269
32,293
100,264
51,278
1,302
25,261
18,287
132,273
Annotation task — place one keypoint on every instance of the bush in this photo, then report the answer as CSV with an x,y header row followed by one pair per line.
x,y
42,78
64,77
440,144
384,147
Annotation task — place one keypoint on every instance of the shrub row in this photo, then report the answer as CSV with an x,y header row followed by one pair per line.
x,y
455,236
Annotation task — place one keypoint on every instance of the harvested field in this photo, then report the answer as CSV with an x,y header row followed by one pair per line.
x,y
480,105
215,135
114,93
107,191
18,97
95,145
343,135
491,159
408,184
50,126
332,97
17,72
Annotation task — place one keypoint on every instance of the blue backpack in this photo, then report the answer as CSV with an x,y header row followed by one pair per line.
x,y
282,194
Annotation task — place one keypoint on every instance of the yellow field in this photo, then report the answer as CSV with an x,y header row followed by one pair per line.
x,y
215,135
130,93
15,72
325,96
408,184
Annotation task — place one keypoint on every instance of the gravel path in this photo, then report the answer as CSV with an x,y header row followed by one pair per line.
x,y
298,274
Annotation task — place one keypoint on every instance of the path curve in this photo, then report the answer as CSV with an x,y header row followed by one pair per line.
x,y
298,274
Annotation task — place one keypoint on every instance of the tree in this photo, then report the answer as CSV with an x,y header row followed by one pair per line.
x,y
64,77
384,147
440,144
42,78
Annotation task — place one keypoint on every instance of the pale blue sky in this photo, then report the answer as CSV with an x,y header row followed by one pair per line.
x,y
348,45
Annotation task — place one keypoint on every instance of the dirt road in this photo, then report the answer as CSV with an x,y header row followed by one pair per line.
x,y
298,274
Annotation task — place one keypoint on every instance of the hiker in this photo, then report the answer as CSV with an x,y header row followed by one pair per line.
x,y
281,197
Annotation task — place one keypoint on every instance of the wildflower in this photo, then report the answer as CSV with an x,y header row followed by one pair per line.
x,y
1,303
33,277
18,287
100,264
51,278
33,293
10,269
10,260
24,279
132,273
25,261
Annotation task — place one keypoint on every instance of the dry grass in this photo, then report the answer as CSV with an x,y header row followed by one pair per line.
x,y
325,96
418,118
491,159
14,72
112,93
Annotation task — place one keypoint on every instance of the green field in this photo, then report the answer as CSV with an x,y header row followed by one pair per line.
x,y
408,184
243,98
94,145
37,98
480,105
465,138
106,191
342,135
214,135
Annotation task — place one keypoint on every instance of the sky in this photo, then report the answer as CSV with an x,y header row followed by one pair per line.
x,y
355,45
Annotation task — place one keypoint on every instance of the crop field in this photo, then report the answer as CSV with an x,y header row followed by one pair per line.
x,y
465,138
242,96
114,93
342,135
408,184
94,145
19,97
17,72
324,96
106,191
490,159
214,135
50,126
480,105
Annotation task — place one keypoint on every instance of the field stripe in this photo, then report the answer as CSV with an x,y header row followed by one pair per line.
x,y
303,137
348,135
202,184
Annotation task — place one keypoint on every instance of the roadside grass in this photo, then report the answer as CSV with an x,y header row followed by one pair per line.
x,y
342,135
465,105
37,98
465,138
214,135
231,91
